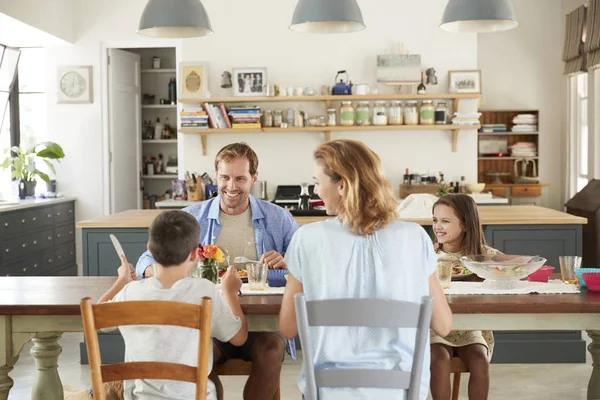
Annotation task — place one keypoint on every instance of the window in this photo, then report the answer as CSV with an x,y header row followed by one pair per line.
x,y
28,104
581,140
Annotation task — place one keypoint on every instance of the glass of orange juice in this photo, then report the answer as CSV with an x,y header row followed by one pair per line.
x,y
568,265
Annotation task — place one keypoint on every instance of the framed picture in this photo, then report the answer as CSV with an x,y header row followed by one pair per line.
x,y
74,84
464,81
249,81
193,80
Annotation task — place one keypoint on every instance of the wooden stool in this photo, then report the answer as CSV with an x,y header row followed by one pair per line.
x,y
237,366
457,366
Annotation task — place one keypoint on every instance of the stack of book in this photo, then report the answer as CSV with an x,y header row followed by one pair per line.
x,y
466,118
492,128
194,119
245,116
217,116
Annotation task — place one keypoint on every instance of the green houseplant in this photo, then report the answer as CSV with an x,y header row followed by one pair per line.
x,y
22,163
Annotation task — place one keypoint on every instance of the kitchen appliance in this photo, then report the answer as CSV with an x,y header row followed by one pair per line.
x,y
287,196
259,190
340,87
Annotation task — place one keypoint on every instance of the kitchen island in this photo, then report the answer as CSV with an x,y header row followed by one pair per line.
x,y
527,230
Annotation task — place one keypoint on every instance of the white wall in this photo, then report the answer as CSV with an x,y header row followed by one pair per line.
x,y
56,17
522,69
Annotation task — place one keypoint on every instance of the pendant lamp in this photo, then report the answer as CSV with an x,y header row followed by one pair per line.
x,y
327,16
174,19
478,16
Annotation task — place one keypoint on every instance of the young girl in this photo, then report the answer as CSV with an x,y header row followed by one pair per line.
x,y
458,232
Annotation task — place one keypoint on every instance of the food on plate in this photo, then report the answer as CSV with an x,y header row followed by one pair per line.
x,y
458,269
241,273
508,271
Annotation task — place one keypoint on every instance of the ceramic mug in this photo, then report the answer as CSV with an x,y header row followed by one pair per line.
x,y
361,89
290,91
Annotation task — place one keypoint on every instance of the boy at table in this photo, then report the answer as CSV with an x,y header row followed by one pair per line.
x,y
173,241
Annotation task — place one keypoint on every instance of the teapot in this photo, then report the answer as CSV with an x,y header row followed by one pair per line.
x,y
340,87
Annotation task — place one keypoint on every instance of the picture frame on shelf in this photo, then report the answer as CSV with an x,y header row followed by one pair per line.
x,y
193,80
249,81
466,81
74,84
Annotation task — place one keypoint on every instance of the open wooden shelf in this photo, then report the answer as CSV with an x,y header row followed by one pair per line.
x,y
507,158
159,141
328,129
329,98
159,71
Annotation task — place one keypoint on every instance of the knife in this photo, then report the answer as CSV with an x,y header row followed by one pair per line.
x,y
117,245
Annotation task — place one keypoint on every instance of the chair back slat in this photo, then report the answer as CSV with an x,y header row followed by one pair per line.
x,y
375,313
161,313
148,370
155,313
360,378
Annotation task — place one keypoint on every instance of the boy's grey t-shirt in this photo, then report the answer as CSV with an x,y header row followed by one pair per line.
x,y
172,343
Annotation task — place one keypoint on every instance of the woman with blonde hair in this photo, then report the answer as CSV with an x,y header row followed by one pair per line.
x,y
365,252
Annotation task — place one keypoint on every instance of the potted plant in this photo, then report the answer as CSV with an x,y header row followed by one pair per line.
x,y
22,163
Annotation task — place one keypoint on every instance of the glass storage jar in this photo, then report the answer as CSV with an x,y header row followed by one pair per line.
x,y
380,113
347,114
363,113
441,113
331,117
321,120
277,118
267,118
427,113
411,113
395,113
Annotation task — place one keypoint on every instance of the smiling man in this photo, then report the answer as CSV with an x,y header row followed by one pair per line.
x,y
240,224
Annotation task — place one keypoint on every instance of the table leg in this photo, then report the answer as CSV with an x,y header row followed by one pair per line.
x,y
45,352
593,392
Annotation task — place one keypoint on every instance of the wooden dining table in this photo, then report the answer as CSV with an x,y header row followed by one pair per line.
x,y
40,309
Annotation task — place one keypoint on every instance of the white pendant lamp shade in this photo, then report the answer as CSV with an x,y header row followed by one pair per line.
x,y
327,16
174,19
478,16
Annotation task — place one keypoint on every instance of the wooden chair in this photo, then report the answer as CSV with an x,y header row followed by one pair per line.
x,y
457,367
237,366
107,315
376,313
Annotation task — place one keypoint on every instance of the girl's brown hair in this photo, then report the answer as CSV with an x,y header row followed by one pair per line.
x,y
368,203
465,209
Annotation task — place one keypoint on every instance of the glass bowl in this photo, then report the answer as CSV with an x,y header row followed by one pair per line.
x,y
502,270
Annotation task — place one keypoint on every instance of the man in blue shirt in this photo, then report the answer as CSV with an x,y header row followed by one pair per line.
x,y
248,227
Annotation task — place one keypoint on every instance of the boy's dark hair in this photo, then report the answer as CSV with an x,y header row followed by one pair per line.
x,y
172,237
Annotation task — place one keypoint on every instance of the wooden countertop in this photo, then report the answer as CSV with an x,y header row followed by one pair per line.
x,y
490,215
61,296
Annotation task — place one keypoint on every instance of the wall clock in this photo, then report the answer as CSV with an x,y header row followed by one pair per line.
x,y
74,84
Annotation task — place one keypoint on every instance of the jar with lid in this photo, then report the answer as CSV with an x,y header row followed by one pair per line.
x,y
441,113
395,113
331,117
347,114
411,113
427,113
277,118
267,118
363,113
321,120
379,113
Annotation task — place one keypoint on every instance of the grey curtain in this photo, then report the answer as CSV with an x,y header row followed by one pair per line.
x,y
592,43
573,52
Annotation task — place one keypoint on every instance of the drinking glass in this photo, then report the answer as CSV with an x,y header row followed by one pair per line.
x,y
444,272
257,275
568,265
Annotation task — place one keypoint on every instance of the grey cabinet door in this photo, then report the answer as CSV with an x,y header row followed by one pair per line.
x,y
99,255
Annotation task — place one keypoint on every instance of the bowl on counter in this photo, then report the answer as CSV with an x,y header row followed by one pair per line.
x,y
592,281
581,271
502,271
541,275
277,277
475,187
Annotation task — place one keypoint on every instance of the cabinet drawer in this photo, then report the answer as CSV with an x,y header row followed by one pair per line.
x,y
64,212
13,223
64,255
18,247
499,192
526,191
64,234
45,216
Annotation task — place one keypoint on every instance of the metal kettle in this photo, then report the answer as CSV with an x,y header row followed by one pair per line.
x,y
340,87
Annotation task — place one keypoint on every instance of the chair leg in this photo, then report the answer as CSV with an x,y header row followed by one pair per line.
x,y
456,386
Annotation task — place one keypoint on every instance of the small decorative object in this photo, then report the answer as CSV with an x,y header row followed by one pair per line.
x,y
443,190
431,78
226,80
249,81
23,164
74,84
465,81
156,62
193,81
206,266
421,89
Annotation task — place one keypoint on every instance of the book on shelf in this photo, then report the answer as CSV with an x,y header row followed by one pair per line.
x,y
246,126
